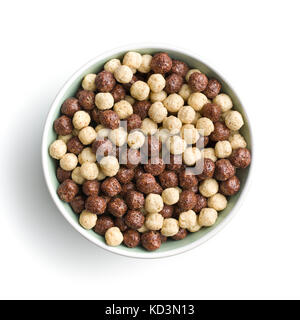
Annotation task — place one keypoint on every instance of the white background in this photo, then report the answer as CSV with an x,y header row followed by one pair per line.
x,y
255,45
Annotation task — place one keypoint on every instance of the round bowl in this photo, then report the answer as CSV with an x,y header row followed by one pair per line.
x,y
49,165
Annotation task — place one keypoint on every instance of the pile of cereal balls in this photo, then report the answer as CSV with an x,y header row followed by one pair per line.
x,y
112,142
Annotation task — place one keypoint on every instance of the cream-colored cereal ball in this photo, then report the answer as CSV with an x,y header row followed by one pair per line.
x,y
132,59
88,82
140,90
148,126
135,139
162,134
68,162
58,149
187,219
109,165
189,134
186,114
102,131
170,227
224,101
223,149
191,155
158,96
89,170
104,100
185,92
157,112
234,120
189,73
209,187
197,100
65,138
112,65
217,202
87,135
123,74
173,102
129,99
209,153
170,196
113,236
195,227
176,145
87,155
87,219
154,221
207,217
156,82
205,126
123,109
237,141
173,124
196,118
145,66
154,203
81,119
118,136
77,177
101,175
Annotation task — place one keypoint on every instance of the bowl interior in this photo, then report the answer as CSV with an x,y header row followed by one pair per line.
x,y
170,247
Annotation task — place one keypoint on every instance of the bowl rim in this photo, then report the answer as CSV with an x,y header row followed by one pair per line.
x,y
46,171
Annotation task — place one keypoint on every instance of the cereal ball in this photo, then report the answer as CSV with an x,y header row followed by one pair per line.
x,y
101,175
134,121
161,63
87,135
77,204
75,146
198,81
176,145
148,127
157,189
151,240
140,90
88,82
224,170
131,158
87,155
154,221
63,125
189,73
223,149
168,179
67,190
200,203
180,68
187,200
117,207
95,115
109,165
70,106
205,125
158,96
156,82
57,149
212,89
123,74
170,227
141,108
113,237
68,162
109,119
86,99
89,171
208,187
123,109
103,224
217,202
181,234
81,120
146,183
189,134
153,203
87,220
120,223
145,65
62,174
132,59
195,228
211,111
187,179
126,188
104,100
240,158
105,81
135,200
237,141
234,120
224,101
186,114
111,187
191,155
135,139
207,170
220,133
129,99
91,188
157,112
230,186
207,217
118,136
131,238
173,102
134,219
125,175
173,83
209,153
102,147
77,177
112,65
187,219
173,124
167,211
155,166
185,91
197,100
66,138
170,196
118,93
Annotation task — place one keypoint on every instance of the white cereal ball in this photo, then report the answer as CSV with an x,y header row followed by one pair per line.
x,y
156,82
173,124
87,135
176,145
186,114
158,96
140,90
68,162
102,131
123,109
237,141
187,219
113,237
145,66
123,74
81,119
207,217
104,100
170,227
89,170
173,102
154,203
135,139
170,196
195,228
162,134
191,155
189,134
223,149
87,219
77,177
224,101
109,166
132,59
154,221
185,92
196,118
209,187
205,125
189,73
143,229
88,82
118,136
197,100
217,202
129,99
234,120
65,138
209,153
101,175
148,126
157,112
87,155
58,149
112,65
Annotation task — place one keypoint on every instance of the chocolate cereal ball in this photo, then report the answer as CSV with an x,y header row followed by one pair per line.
x,y
125,175
146,183
109,119
201,202
173,83
211,111
180,68
141,108
135,200
187,179
126,188
208,169
230,186
131,238
95,204
62,174
117,207
105,81
75,146
151,240
181,234
111,187
86,99
134,219
220,133
212,89
120,223
67,190
240,158
63,126
103,224
134,121
187,200
161,63
155,166
70,106
168,179
91,188
157,189
224,170
198,81
138,171
102,147
77,204
118,93
167,211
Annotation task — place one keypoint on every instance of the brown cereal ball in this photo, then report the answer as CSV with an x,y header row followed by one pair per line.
x,y
240,158
151,240
134,219
212,89
175,163
95,204
179,67
95,115
155,166
146,183
198,81
126,188
201,202
77,204
120,223
67,190
131,238
125,175
187,179
230,186
187,200
141,108
118,93
138,171
211,111
102,147
62,174
173,83
224,170
220,133
91,187
208,169
103,224
134,121
181,234
70,106
168,179
109,119
63,126
86,99
152,146
111,187
167,211
161,63
75,146
157,189
105,81
117,207
130,158
135,200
